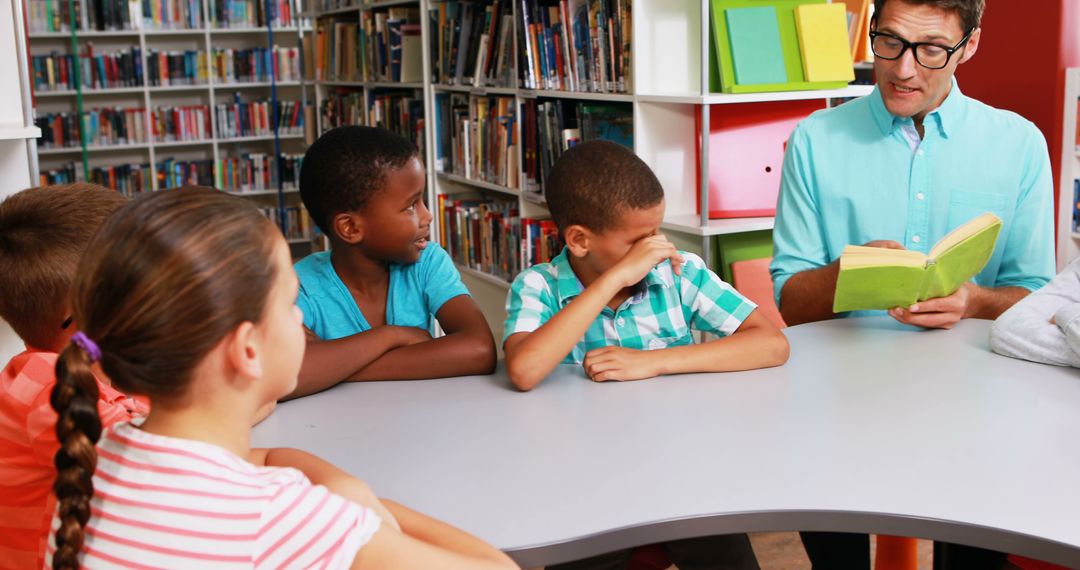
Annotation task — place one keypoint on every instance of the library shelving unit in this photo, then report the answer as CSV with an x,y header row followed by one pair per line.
x,y
671,101
357,81
178,128
18,166
1068,241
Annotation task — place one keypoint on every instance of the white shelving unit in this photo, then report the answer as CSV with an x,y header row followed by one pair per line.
x,y
211,93
18,161
149,97
1068,238
671,101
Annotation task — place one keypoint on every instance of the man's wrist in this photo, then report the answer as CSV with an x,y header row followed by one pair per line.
x,y
976,300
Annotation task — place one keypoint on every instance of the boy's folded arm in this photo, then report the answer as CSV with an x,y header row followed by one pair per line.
x,y
467,348
757,343
329,362
531,356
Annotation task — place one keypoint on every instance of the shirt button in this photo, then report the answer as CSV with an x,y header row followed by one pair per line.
x,y
920,196
919,152
916,239
620,321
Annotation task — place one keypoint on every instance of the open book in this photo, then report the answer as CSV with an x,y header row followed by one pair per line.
x,y
877,278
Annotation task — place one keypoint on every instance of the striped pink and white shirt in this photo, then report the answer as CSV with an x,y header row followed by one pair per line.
x,y
162,502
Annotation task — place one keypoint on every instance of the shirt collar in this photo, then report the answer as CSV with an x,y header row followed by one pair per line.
x,y
945,116
568,286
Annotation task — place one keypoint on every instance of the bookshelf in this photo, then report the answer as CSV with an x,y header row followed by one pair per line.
x,y
670,100
185,83
18,161
1068,242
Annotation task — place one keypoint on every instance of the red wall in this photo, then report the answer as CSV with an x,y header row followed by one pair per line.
x,y
1026,46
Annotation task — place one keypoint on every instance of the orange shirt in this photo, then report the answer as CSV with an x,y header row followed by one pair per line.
x,y
27,446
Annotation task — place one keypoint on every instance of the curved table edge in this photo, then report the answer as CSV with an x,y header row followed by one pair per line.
x,y
786,521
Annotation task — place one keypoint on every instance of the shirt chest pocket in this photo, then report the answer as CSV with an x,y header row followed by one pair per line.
x,y
964,205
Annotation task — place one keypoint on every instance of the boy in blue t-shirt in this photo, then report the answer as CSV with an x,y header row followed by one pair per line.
x,y
368,302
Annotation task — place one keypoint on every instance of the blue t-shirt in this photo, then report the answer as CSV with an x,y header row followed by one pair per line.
x,y
417,291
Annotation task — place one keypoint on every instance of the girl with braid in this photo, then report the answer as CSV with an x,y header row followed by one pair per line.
x,y
188,297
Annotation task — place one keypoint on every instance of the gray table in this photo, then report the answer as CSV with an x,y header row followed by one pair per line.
x,y
871,426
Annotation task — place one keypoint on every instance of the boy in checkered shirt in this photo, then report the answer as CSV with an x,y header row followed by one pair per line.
x,y
622,302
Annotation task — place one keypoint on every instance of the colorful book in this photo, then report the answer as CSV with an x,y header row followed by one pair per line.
x,y
873,278
754,34
823,42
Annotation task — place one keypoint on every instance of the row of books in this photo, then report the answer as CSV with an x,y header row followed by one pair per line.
x,y
101,15
253,13
256,64
575,45
128,179
491,237
473,43
383,46
476,138
257,118
52,15
56,71
249,172
172,14
181,123
101,127
176,67
550,127
255,172
401,113
342,107
294,221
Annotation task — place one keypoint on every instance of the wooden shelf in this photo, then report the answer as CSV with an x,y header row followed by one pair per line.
x,y
583,95
89,92
84,34
178,88
97,148
475,90
492,279
371,84
287,190
175,144
254,84
478,184
725,98
691,224
258,138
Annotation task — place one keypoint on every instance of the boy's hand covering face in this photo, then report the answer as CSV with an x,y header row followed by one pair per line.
x,y
619,364
643,256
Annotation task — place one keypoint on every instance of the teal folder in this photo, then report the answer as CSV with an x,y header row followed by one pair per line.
x,y
755,45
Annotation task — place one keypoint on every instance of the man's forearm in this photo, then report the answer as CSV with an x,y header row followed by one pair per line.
x,y
989,303
808,296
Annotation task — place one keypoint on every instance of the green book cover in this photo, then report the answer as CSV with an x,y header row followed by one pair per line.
x,y
755,45
874,278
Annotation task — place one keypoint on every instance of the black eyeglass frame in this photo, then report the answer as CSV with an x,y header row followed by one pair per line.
x,y
913,46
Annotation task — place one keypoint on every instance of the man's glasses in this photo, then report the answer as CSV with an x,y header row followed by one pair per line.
x,y
927,54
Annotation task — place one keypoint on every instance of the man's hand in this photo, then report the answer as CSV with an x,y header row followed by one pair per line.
x,y
940,313
884,244
618,363
643,256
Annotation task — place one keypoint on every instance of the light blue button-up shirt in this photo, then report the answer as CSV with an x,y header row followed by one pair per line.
x,y
852,174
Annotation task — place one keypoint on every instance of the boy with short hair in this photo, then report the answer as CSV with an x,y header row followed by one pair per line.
x,y
622,302
43,232
368,303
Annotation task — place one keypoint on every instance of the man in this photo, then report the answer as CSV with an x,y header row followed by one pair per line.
x,y
900,168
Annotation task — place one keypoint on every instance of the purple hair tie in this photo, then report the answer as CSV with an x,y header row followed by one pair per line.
x,y
82,341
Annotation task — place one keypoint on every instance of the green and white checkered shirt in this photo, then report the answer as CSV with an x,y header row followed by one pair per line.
x,y
662,312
